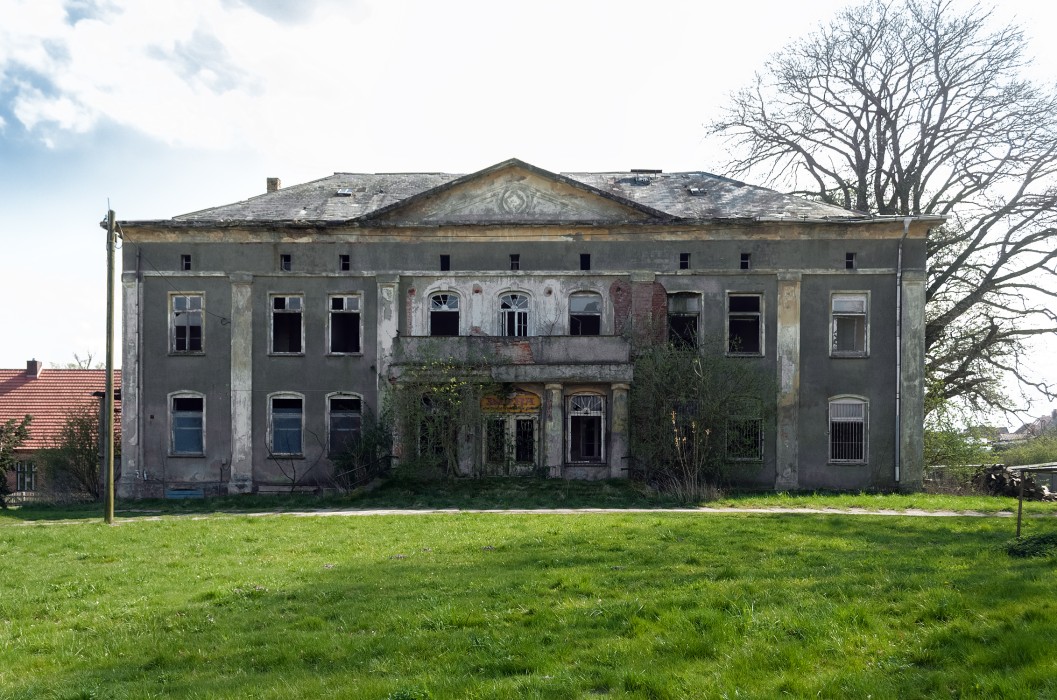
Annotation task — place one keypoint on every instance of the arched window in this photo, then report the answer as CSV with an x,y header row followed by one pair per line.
x,y
848,429
585,313
513,314
585,428
286,424
444,314
187,412
344,414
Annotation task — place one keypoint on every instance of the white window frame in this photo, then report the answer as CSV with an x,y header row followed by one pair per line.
x,y
172,422
330,397
583,294
356,299
174,317
271,319
25,476
445,308
515,311
838,405
834,315
271,423
760,320
582,413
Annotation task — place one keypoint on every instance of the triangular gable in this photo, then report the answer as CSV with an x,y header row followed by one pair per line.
x,y
513,192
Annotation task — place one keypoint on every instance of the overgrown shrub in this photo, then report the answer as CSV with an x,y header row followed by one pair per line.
x,y
72,461
369,455
1040,450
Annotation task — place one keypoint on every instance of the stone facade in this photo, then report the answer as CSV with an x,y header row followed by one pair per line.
x,y
255,332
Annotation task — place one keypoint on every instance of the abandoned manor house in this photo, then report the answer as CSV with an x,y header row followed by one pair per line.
x,y
258,335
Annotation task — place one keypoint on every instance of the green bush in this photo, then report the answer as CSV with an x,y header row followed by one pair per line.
x,y
1034,546
1038,450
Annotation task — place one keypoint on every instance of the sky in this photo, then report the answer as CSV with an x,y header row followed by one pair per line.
x,y
156,108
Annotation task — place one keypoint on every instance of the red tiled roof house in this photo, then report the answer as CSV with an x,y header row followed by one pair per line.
x,y
48,395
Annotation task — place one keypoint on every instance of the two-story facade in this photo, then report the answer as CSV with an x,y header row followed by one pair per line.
x,y
258,334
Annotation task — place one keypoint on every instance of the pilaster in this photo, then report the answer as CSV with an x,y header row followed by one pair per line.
x,y
241,476
787,446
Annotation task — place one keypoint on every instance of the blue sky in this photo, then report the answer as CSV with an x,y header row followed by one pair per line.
x,y
162,107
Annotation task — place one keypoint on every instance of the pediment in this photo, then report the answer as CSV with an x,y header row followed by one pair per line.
x,y
513,192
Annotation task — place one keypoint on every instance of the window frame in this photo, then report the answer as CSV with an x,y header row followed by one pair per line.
x,y
25,476
171,400
745,411
286,262
284,395
358,296
599,315
344,262
834,315
570,415
684,261
515,262
864,419
760,321
695,297
272,296
515,312
457,311
330,413
185,262
201,311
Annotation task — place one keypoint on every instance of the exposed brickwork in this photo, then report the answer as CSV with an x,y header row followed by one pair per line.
x,y
620,297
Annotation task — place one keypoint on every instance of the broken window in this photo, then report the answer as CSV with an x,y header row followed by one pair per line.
x,y
848,329
444,314
346,414
744,324
585,428
683,312
513,314
287,330
187,421
185,323
585,314
285,425
25,476
847,430
286,262
344,324
344,262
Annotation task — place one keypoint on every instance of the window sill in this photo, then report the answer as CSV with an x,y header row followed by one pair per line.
x,y
286,354
849,355
190,455
358,353
745,354
276,456
186,353
847,463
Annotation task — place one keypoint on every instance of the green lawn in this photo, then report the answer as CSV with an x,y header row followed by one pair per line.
x,y
644,605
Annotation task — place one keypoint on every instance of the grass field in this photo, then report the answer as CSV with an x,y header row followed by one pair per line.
x,y
645,605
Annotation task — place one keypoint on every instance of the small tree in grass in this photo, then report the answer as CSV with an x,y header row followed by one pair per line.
x,y
12,434
72,461
694,414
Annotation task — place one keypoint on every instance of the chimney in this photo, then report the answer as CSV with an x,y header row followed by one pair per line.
x,y
274,184
34,368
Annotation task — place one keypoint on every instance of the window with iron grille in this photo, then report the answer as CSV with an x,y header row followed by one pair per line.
x,y
848,430
585,428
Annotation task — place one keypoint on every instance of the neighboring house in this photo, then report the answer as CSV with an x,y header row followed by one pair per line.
x,y
258,333
1038,426
48,395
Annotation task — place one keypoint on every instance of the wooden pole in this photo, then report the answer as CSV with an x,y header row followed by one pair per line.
x,y
108,514
1020,502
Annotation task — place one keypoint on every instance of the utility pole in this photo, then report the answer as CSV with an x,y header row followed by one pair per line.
x,y
111,243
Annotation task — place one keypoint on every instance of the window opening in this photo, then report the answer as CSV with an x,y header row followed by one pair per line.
x,y
25,476
744,326
515,261
513,314
445,263
285,262
585,261
849,325
847,430
746,261
524,440
495,452
344,324
849,261
683,314
186,323
287,329
444,314
185,262
585,314
188,426
684,261
286,426
585,428
745,433
344,263
346,416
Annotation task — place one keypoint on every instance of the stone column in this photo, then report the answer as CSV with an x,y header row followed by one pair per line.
x,y
912,386
241,475
788,404
128,485
553,430
619,461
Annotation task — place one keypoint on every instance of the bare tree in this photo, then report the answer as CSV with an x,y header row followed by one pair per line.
x,y
908,107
